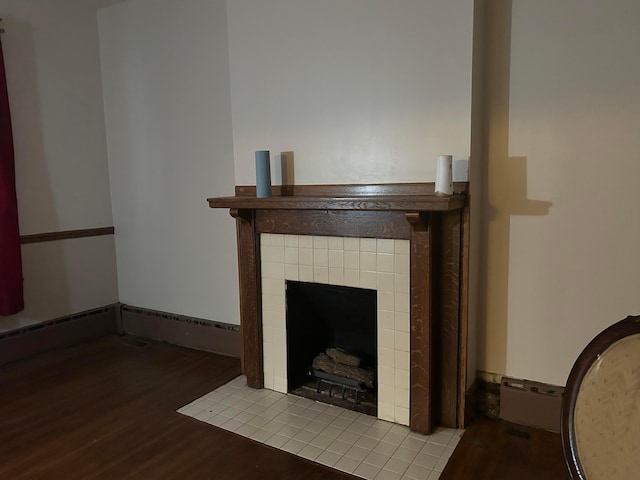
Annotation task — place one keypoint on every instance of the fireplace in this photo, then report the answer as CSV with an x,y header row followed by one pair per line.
x,y
378,265
332,344
430,234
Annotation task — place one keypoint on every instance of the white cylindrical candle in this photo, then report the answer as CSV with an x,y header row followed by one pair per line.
x,y
444,175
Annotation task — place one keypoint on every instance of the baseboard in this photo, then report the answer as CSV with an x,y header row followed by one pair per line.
x,y
531,403
58,333
182,330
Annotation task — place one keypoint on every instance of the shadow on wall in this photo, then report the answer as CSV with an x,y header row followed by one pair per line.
x,y
46,288
504,190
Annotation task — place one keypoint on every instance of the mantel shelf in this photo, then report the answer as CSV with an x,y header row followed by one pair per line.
x,y
415,203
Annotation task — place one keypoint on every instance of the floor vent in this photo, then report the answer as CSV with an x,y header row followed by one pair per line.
x,y
531,403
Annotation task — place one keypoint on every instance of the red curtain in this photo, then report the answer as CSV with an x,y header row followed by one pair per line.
x,y
11,297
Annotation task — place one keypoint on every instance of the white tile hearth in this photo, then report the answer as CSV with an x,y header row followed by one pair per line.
x,y
352,442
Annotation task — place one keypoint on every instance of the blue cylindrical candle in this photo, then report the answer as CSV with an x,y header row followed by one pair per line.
x,y
263,174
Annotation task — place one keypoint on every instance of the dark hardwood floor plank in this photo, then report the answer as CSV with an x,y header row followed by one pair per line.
x,y
106,410
499,450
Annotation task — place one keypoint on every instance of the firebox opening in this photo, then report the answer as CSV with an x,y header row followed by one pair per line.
x,y
332,344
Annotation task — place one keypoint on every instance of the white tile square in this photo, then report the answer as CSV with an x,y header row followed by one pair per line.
x,y
280,384
367,471
321,441
386,411
305,241
351,260
368,261
401,283
386,395
277,254
320,274
401,247
402,321
377,459
386,339
386,282
346,464
416,472
368,245
352,244
402,414
401,379
405,454
426,461
277,239
328,458
352,278
278,302
402,341
291,240
386,357
335,243
386,318
265,253
265,239
293,446
305,256
401,264
336,258
385,245
386,376
368,279
305,273
336,276
291,255
310,452
384,262
386,301
402,302
291,272
401,361
357,453
320,242
320,257
339,447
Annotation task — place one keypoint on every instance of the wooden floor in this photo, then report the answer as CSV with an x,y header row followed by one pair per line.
x,y
499,450
107,410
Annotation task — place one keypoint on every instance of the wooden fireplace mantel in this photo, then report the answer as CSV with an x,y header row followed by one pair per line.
x,y
437,229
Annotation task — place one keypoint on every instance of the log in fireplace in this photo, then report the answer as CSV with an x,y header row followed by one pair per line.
x,y
437,230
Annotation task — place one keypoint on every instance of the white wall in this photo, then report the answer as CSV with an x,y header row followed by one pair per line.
x,y
563,211
166,94
361,91
53,76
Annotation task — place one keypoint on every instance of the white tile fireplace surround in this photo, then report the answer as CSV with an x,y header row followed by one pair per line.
x,y
377,264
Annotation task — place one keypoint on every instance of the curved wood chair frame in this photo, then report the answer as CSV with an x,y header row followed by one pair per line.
x,y
614,333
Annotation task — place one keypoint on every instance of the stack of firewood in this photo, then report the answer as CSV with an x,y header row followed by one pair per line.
x,y
336,361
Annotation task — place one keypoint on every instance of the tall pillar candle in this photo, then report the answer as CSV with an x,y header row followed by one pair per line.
x,y
444,175
263,174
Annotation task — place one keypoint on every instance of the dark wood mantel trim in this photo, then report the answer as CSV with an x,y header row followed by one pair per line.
x,y
431,223
66,235
391,197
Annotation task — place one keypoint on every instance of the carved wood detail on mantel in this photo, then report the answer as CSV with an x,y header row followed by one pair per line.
x,y
434,227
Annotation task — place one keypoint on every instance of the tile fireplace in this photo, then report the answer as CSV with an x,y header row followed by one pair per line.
x,y
400,240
